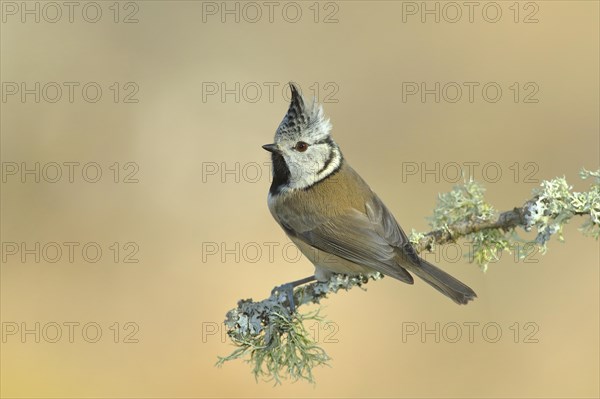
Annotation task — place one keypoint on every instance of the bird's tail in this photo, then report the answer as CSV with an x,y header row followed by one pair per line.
x,y
443,282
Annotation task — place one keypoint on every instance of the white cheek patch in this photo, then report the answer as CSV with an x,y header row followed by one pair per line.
x,y
302,174
306,172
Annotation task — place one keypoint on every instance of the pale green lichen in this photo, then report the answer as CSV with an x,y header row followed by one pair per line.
x,y
275,340
488,246
276,343
553,205
589,202
415,237
466,204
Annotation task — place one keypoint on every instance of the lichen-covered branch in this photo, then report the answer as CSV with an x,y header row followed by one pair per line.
x,y
276,339
463,213
278,345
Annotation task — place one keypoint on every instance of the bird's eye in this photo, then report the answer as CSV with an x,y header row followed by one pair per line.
x,y
301,146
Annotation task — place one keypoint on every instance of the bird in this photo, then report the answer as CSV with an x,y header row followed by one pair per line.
x,y
331,214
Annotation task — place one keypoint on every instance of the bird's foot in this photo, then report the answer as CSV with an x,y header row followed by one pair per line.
x,y
288,290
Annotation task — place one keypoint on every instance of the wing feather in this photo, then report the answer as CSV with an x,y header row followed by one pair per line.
x,y
372,238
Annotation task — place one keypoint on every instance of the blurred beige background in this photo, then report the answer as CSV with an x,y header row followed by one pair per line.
x,y
180,139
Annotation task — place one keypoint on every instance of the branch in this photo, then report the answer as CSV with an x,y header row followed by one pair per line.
x,y
507,221
276,339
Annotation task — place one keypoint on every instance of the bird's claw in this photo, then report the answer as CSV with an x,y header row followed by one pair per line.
x,y
288,290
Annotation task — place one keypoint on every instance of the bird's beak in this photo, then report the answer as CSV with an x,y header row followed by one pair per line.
x,y
272,148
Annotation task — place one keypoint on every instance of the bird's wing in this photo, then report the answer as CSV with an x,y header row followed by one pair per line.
x,y
372,238
387,227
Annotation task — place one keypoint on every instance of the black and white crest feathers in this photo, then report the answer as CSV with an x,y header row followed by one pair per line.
x,y
301,119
